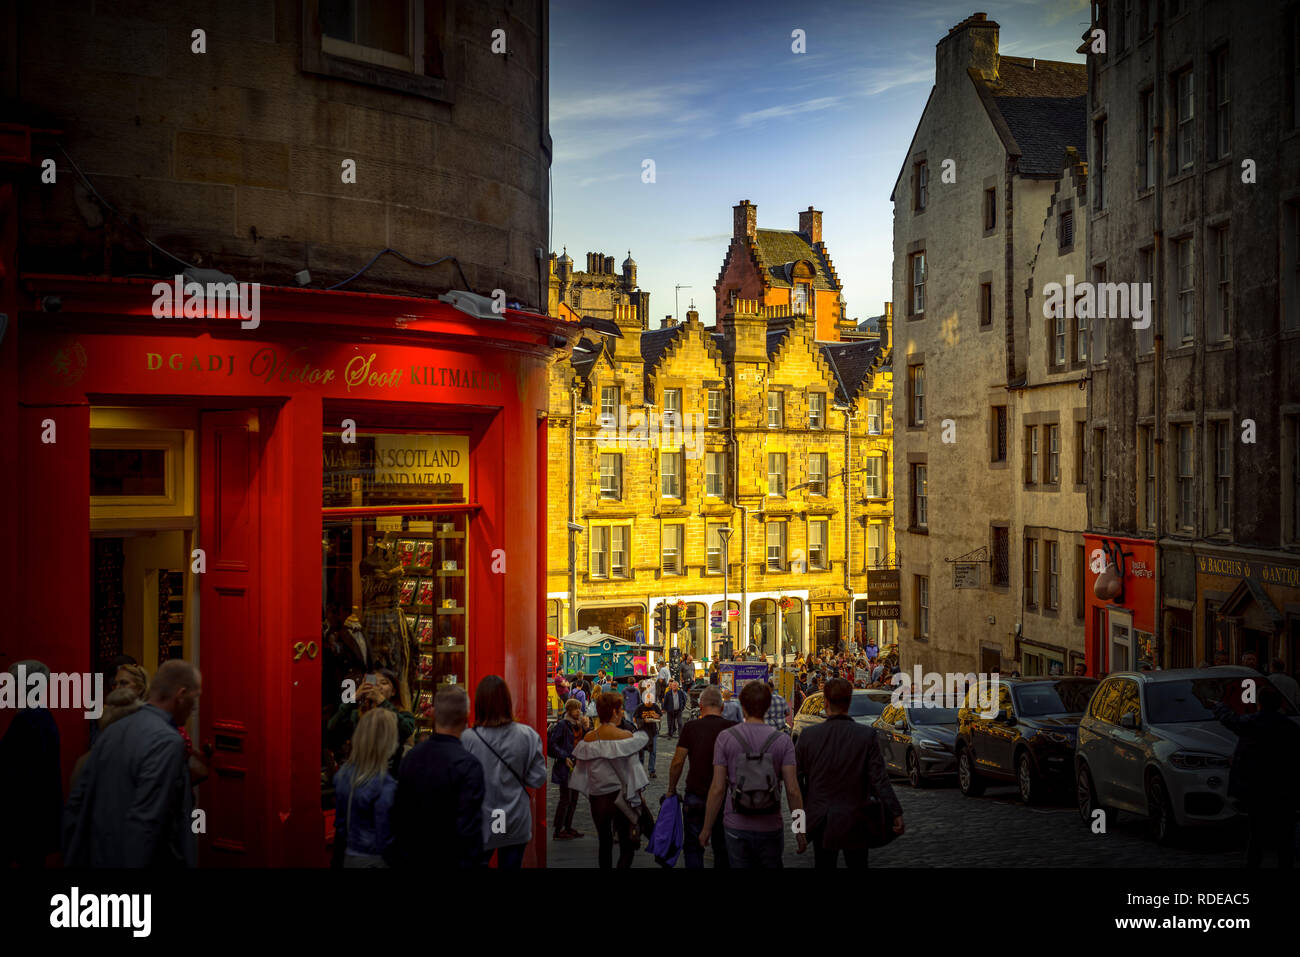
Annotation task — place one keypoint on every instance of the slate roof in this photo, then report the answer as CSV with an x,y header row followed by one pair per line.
x,y
585,354
654,343
852,363
1044,105
775,336
779,247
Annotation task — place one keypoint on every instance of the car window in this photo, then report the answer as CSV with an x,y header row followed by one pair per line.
x,y
1068,696
1174,702
862,704
923,716
1105,703
1130,701
890,715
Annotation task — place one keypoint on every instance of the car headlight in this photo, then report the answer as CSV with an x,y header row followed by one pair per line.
x,y
1196,760
932,744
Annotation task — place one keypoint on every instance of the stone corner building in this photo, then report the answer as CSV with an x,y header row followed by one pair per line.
x,y
988,398
661,438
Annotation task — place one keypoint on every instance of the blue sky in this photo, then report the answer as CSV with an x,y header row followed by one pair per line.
x,y
712,92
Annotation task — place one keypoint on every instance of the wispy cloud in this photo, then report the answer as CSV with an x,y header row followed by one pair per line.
x,y
711,238
629,101
789,109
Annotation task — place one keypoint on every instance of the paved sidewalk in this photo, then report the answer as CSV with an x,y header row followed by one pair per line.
x,y
582,851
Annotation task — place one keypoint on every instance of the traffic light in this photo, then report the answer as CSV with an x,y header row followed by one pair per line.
x,y
674,620
661,619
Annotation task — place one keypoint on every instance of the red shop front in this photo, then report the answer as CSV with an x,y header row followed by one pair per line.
x,y
357,482
1121,604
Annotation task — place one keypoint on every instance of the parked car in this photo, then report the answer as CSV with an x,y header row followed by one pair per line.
x,y
917,740
1150,744
1028,742
867,705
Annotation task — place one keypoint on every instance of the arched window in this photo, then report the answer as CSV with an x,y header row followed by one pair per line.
x,y
792,627
762,626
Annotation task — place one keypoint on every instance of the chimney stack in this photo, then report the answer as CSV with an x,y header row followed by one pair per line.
x,y
810,223
971,43
668,323
886,323
745,219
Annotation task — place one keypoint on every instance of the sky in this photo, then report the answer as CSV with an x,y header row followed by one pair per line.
x,y
712,92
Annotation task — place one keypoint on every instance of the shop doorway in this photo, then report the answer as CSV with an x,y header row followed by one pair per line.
x,y
1122,654
1253,640
827,633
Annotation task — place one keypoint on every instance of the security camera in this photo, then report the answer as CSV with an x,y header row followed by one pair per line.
x,y
51,303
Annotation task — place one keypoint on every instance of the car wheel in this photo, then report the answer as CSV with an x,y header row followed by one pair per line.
x,y
967,780
1086,795
914,770
1160,810
1030,784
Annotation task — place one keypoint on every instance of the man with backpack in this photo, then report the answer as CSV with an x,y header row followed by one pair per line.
x,y
750,761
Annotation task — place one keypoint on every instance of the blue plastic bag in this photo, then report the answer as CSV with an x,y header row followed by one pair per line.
x,y
666,841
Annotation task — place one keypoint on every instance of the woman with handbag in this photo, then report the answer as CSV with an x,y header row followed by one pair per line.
x,y
511,755
607,770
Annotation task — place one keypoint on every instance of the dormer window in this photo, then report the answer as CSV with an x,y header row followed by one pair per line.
x,y
802,297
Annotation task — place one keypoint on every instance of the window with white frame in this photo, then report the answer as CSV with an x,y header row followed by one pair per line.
x,y
608,405
672,407
1221,314
1185,315
611,476
1221,121
674,537
1184,120
1053,576
800,299
609,551
1053,454
1031,455
1222,473
1058,336
670,474
916,394
776,474
1080,338
817,539
816,410
370,31
715,408
776,546
920,185
1147,139
875,416
875,476
715,474
1186,517
920,497
599,565
1147,451
776,410
817,473
922,606
1031,572
876,553
916,269
714,549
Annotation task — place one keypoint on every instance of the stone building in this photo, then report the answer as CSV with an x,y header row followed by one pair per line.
x,y
661,439
1194,422
782,267
597,290
299,140
988,518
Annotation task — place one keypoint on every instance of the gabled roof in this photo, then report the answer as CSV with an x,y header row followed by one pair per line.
x,y
853,364
780,248
1039,107
585,354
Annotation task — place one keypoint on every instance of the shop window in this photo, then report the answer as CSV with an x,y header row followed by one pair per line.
x,y
621,621
381,468
693,637
791,626
762,627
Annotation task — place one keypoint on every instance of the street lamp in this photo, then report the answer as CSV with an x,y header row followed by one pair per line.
x,y
724,533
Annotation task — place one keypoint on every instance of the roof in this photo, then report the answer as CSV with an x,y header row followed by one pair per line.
x,y
853,363
1043,108
606,327
654,343
779,248
585,354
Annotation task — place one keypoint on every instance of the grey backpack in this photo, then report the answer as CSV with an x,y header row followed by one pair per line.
x,y
757,787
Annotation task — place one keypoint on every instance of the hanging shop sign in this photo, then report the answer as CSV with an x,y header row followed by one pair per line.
x,y
966,575
884,612
883,585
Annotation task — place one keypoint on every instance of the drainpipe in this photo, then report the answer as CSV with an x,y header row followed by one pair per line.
x,y
735,502
1158,341
848,528
573,539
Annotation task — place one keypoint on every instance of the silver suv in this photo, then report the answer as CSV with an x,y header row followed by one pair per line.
x,y
1150,744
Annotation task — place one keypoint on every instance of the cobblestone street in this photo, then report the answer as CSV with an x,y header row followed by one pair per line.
x,y
945,829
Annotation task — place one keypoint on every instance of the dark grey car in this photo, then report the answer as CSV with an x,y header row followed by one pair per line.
x,y
917,741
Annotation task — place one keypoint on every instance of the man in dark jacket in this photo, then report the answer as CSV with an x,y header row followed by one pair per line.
x,y
131,807
437,816
675,702
839,765
1265,773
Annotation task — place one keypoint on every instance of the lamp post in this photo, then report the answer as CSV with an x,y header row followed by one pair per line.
x,y
724,533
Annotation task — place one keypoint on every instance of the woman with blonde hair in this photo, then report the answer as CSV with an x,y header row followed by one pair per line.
x,y
134,678
364,792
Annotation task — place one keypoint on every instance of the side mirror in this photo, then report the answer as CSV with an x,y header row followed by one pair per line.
x,y
1001,716
1128,720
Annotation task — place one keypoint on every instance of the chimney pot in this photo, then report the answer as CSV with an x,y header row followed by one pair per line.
x,y
745,220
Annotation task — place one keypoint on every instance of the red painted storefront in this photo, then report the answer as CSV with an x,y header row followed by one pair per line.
x,y
1121,629
262,400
